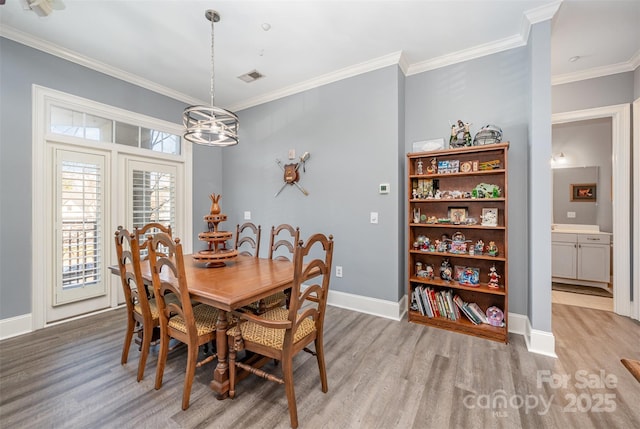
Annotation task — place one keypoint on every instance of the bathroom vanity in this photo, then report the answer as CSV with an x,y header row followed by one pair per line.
x,y
581,255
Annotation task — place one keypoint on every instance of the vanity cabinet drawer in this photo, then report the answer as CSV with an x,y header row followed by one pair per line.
x,y
594,238
563,237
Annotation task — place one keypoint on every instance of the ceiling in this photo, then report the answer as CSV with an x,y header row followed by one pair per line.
x,y
165,45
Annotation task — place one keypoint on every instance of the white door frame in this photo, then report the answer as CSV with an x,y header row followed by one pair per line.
x,y
621,171
635,310
41,267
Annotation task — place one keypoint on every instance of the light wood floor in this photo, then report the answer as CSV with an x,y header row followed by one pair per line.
x,y
582,300
382,374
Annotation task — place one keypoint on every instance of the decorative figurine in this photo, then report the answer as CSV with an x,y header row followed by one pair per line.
x,y
416,215
215,206
479,247
442,246
460,134
429,271
486,190
445,270
470,277
495,316
493,278
419,269
492,249
419,167
433,169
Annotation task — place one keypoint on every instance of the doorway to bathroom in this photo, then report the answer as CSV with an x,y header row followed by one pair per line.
x,y
609,185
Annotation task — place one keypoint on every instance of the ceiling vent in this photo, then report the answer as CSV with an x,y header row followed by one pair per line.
x,y
251,76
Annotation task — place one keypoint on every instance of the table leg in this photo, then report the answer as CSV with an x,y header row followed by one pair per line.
x,y
220,382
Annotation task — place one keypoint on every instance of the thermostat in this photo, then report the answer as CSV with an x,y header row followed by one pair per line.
x,y
384,188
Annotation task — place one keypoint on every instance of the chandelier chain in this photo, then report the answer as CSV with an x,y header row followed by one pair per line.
x,y
212,90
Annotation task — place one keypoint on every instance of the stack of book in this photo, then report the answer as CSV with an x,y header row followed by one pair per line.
x,y
433,303
471,310
445,304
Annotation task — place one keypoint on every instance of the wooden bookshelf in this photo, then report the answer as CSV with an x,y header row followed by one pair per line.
x,y
431,196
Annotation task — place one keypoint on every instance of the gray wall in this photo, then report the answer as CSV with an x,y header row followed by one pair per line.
x,y
351,129
597,92
584,144
21,67
636,84
488,90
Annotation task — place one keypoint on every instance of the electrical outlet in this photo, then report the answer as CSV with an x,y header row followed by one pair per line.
x,y
247,215
338,271
571,215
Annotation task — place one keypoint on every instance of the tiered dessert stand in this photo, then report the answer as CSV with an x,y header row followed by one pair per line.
x,y
217,252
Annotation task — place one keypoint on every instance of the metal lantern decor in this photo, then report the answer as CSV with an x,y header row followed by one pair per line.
x,y
210,125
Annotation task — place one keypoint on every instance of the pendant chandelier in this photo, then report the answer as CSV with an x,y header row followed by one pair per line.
x,y
210,125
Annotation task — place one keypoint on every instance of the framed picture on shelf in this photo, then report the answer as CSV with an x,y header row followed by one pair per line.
x,y
457,271
490,217
458,215
583,192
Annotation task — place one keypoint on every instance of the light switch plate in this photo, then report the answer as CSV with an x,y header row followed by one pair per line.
x,y
247,215
292,154
374,217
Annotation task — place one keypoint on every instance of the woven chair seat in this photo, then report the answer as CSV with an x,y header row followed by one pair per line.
x,y
153,306
272,337
205,317
272,301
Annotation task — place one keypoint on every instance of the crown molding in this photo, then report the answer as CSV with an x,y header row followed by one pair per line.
x,y
542,13
596,72
403,63
466,54
532,16
74,57
635,60
364,67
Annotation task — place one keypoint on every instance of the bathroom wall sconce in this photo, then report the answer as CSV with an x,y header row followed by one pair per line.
x,y
558,159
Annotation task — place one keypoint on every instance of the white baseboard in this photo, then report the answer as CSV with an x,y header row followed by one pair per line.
x,y
14,326
363,304
537,341
518,324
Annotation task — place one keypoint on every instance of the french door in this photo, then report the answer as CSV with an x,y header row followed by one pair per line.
x,y
84,194
79,187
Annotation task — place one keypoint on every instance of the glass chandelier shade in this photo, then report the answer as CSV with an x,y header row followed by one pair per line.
x,y
210,125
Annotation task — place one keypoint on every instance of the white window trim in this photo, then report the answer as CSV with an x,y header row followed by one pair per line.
x,y
43,97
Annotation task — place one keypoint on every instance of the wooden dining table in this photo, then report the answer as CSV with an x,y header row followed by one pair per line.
x,y
243,280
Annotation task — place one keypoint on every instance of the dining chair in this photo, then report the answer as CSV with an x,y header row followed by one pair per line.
x,y
283,236
189,324
281,333
248,239
142,310
282,241
146,229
